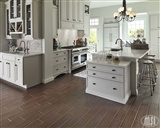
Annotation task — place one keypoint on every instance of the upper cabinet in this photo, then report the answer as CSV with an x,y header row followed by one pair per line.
x,y
33,19
16,10
72,14
23,17
155,21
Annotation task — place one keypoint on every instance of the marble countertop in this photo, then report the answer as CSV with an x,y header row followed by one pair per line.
x,y
127,52
110,63
22,54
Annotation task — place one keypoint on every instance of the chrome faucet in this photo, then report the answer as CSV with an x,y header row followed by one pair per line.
x,y
24,48
121,42
27,46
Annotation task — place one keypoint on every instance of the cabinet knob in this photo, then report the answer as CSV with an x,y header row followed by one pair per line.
x,y
94,66
57,54
94,83
113,77
113,70
57,69
64,66
114,88
67,19
0,61
15,64
56,60
94,73
64,58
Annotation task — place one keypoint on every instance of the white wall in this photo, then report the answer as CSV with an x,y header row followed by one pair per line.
x,y
107,12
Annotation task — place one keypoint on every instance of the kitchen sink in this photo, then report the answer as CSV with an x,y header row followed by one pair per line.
x,y
115,49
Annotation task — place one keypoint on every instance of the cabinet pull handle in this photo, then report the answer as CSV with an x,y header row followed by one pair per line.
x,y
113,77
113,70
57,69
15,64
114,88
64,66
94,66
18,59
94,83
94,73
67,19
64,58
57,54
0,61
56,60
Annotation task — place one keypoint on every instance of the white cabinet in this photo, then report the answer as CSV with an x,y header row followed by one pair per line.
x,y
86,25
33,19
16,10
155,21
55,22
1,68
8,70
16,16
109,80
60,62
155,35
71,14
22,71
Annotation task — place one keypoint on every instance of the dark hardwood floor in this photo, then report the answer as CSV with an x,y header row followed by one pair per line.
x,y
64,103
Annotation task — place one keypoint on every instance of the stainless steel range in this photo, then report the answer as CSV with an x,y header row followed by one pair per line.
x,y
78,56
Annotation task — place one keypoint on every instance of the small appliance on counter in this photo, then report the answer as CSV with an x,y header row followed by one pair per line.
x,y
55,44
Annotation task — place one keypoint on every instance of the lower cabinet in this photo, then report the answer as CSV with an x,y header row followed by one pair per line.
x,y
0,68
60,62
24,71
109,80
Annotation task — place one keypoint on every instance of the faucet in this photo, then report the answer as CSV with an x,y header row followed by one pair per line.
x,y
27,47
120,43
24,48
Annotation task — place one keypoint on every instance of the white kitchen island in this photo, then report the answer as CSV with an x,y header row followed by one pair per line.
x,y
128,54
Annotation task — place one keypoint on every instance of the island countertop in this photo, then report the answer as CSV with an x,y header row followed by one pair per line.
x,y
127,52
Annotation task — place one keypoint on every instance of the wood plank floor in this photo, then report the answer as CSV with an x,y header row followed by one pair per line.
x,y
64,103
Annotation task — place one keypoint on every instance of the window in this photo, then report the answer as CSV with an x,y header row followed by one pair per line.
x,y
136,29
94,22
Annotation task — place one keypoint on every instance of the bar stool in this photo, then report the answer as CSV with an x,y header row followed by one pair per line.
x,y
152,58
146,74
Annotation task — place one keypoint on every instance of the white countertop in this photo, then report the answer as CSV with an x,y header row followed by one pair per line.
x,y
110,63
127,52
22,54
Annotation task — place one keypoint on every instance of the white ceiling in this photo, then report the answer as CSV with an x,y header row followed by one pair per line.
x,y
104,3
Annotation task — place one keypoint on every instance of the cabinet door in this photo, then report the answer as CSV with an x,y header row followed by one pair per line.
x,y
18,73
64,10
28,14
1,68
80,10
154,22
154,39
8,71
86,25
12,9
55,22
75,10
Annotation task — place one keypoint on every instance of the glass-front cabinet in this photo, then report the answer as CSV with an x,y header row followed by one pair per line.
x,y
16,10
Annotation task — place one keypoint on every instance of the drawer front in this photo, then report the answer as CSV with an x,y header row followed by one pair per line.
x,y
106,86
8,57
0,55
60,68
19,59
108,76
104,68
61,59
57,54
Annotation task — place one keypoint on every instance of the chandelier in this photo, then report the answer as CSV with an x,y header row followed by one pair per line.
x,y
124,13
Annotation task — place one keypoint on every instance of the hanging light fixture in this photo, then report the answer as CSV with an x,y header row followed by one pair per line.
x,y
124,13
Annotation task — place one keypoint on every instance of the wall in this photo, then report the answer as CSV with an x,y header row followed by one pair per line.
x,y
3,42
107,12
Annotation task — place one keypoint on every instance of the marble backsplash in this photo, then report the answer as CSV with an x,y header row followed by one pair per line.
x,y
66,37
34,45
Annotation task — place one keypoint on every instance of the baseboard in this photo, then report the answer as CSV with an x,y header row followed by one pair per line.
x,y
45,81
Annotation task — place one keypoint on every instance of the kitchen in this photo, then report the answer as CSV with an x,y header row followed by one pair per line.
x,y
63,84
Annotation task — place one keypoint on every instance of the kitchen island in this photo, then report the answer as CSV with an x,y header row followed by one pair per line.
x,y
133,55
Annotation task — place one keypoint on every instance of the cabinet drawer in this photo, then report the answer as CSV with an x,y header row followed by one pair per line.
x,y
0,55
19,60
60,68
106,86
8,57
57,54
58,60
104,68
108,76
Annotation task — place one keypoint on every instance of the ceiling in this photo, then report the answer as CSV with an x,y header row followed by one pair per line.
x,y
104,3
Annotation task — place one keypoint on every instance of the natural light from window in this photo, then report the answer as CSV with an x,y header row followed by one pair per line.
x,y
94,22
136,29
